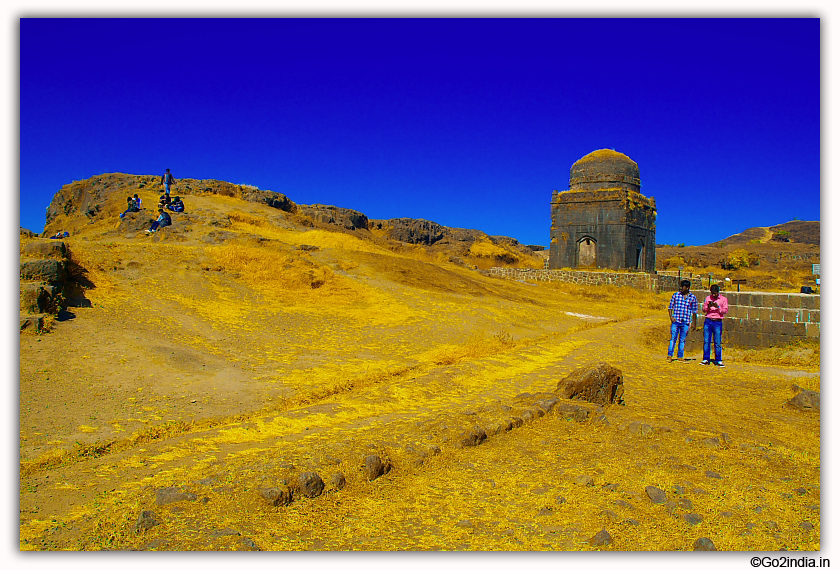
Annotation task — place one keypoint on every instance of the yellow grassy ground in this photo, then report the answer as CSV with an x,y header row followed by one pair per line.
x,y
243,363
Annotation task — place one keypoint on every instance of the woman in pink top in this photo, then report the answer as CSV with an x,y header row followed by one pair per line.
x,y
714,307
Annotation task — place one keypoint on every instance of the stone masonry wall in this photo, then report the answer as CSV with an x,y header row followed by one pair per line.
x,y
754,319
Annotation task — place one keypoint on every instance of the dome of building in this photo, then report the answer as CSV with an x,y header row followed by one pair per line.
x,y
603,169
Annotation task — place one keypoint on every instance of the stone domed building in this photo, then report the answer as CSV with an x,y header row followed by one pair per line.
x,y
603,220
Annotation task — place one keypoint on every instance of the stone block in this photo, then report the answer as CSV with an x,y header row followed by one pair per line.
x,y
756,300
812,330
765,313
799,329
46,248
810,302
813,316
43,270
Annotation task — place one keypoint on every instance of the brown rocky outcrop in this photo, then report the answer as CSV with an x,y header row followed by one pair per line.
x,y
601,384
805,401
341,217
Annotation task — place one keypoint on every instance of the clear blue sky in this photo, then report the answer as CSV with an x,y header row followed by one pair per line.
x,y
467,122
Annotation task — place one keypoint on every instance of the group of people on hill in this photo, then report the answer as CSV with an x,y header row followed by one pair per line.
x,y
135,204
683,312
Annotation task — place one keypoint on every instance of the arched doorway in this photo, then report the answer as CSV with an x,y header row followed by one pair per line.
x,y
586,252
640,254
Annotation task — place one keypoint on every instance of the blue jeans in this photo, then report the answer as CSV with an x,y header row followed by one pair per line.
x,y
678,332
712,330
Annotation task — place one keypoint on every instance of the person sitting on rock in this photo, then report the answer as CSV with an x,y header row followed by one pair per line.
x,y
162,221
138,202
165,200
60,235
132,207
177,205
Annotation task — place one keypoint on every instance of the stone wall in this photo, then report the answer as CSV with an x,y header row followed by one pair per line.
x,y
754,319
637,280
758,320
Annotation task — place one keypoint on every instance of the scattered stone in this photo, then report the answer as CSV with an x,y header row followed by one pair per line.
x,y
624,504
713,475
225,532
601,538
310,484
169,495
800,491
373,467
683,467
560,500
545,511
699,491
610,487
758,509
639,428
679,490
473,437
805,401
806,525
710,442
517,421
685,504
655,494
725,437
670,507
338,481
750,526
601,384
704,543
584,480
633,522
249,544
572,412
145,521
812,507
727,514
771,525
692,518
609,514
277,496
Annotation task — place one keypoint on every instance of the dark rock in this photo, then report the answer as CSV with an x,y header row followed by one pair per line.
x,y
145,521
601,384
475,436
560,500
805,401
655,494
711,442
572,412
34,322
771,525
51,270
699,491
624,504
338,481
725,438
670,507
249,544
168,495
685,504
610,514
713,475
679,490
310,484
639,428
692,518
704,543
601,538
373,467
408,230
727,514
800,491
342,217
805,525
277,496
584,480
48,248
545,511
39,298
610,487
633,522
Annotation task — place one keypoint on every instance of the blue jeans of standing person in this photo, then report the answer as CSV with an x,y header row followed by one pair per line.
x,y
712,331
678,332
166,188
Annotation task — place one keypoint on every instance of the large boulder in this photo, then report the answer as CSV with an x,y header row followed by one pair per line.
x,y
409,230
50,270
342,217
45,248
805,401
601,384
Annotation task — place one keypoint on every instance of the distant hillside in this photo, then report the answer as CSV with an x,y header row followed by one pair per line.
x,y
789,232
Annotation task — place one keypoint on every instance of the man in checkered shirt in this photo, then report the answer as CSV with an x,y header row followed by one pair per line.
x,y
683,312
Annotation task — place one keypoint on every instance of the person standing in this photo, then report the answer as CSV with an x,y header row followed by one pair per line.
x,y
167,180
683,312
715,308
